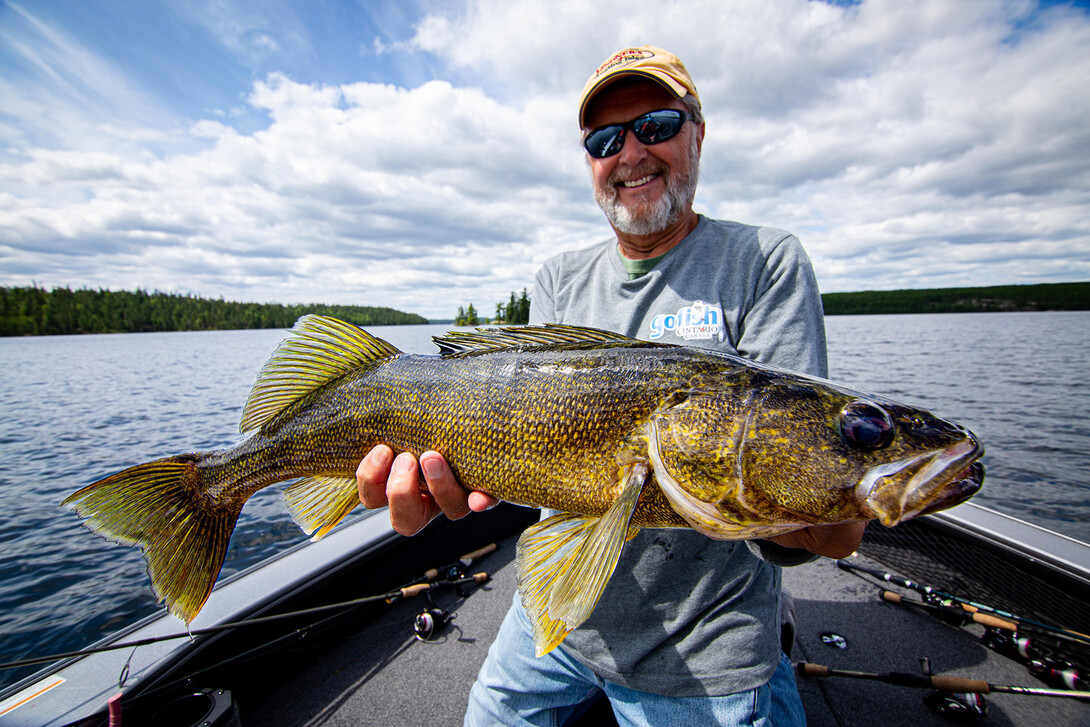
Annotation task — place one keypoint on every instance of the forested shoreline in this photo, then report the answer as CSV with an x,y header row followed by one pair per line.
x,y
990,299
34,311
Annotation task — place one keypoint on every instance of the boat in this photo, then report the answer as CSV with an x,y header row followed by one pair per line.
x,y
367,627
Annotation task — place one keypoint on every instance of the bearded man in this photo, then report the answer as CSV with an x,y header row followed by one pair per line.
x,y
687,630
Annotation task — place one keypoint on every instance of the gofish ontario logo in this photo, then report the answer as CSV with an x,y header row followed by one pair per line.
x,y
698,321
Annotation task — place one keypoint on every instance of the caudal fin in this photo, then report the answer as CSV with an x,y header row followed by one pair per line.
x,y
161,508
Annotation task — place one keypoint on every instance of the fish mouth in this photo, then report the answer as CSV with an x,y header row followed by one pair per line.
x,y
962,487
929,482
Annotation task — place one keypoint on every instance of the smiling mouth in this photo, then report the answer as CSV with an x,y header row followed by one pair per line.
x,y
638,182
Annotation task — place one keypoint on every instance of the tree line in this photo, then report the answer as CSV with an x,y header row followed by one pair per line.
x,y
996,298
32,311
515,311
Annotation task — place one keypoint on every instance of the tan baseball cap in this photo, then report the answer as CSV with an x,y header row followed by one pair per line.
x,y
647,61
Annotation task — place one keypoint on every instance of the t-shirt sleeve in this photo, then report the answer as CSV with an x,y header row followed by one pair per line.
x,y
543,298
785,326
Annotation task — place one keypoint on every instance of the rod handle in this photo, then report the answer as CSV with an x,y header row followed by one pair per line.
x,y
415,590
807,669
985,619
961,685
892,597
113,707
490,548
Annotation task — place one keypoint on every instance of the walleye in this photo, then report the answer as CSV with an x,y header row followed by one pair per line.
x,y
615,433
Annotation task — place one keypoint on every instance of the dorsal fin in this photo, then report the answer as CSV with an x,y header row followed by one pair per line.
x,y
454,343
319,350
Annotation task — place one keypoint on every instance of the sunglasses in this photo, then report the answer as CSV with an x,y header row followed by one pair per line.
x,y
651,128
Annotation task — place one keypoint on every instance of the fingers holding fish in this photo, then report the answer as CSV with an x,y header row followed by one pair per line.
x,y
444,488
410,507
371,477
480,502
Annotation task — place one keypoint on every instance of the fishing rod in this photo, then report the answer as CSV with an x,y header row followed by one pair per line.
x,y
1003,637
409,591
457,569
390,597
957,616
966,604
953,684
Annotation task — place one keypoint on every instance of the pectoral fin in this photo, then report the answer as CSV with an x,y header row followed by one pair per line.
x,y
565,562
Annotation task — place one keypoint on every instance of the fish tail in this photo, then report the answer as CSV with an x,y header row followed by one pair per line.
x,y
162,508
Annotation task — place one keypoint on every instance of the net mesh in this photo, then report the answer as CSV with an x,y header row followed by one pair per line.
x,y
975,570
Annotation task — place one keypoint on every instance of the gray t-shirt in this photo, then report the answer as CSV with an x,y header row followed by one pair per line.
x,y
685,615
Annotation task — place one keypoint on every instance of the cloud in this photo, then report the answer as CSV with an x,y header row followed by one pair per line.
x,y
878,131
908,144
359,193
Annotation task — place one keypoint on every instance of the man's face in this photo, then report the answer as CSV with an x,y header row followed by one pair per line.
x,y
643,189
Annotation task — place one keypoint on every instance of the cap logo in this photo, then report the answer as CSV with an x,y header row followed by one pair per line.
x,y
624,58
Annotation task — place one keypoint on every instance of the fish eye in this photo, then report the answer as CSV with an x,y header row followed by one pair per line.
x,y
865,425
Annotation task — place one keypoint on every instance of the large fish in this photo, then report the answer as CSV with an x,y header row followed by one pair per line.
x,y
616,433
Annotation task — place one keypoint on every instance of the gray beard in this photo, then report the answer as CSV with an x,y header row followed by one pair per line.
x,y
667,210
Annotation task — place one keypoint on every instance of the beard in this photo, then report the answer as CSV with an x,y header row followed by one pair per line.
x,y
662,213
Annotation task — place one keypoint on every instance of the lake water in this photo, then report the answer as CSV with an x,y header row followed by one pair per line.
x,y
77,408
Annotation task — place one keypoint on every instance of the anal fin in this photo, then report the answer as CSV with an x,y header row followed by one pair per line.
x,y
565,562
317,504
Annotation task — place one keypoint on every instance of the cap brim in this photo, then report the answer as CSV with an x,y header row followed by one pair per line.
x,y
663,79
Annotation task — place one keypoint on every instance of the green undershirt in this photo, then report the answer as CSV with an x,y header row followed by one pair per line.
x,y
638,268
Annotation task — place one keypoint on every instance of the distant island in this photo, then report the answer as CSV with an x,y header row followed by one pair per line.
x,y
996,298
34,311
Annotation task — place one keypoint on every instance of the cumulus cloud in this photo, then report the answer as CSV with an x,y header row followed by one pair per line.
x,y
882,133
908,144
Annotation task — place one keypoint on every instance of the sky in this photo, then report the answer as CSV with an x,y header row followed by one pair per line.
x,y
425,155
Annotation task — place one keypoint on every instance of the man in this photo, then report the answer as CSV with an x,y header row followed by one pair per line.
x,y
687,631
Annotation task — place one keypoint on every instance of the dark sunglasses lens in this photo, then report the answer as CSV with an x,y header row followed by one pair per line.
x,y
657,126
652,128
605,142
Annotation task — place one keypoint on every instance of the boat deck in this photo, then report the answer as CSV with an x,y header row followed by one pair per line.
x,y
383,675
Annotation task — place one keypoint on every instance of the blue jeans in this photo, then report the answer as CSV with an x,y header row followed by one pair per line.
x,y
516,688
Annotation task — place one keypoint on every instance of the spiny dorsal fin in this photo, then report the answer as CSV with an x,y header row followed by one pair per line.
x,y
454,343
319,350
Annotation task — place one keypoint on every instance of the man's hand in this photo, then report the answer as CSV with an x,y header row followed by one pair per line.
x,y
832,541
386,480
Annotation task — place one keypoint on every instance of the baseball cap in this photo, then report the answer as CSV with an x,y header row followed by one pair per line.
x,y
648,61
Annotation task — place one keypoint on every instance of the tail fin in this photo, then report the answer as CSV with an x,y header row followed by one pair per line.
x,y
161,507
